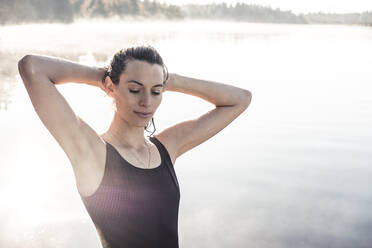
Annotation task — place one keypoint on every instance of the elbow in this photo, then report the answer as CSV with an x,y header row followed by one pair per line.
x,y
244,100
24,66
23,62
247,98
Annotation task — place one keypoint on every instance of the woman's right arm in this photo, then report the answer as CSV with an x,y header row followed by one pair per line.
x,y
40,74
59,70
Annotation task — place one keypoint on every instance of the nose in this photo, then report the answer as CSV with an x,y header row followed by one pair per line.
x,y
145,100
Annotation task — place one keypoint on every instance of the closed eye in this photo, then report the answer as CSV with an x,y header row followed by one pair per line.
x,y
136,91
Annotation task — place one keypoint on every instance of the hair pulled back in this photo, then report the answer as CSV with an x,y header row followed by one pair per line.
x,y
121,58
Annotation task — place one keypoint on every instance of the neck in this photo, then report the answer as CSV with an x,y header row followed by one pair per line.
x,y
124,134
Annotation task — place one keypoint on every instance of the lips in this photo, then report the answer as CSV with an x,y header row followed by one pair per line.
x,y
143,115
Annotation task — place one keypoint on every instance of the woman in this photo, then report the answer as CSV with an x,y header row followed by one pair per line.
x,y
127,182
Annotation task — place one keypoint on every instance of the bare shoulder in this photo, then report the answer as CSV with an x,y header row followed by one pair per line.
x,y
168,143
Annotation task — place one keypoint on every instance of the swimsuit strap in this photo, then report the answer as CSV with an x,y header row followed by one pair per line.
x,y
168,160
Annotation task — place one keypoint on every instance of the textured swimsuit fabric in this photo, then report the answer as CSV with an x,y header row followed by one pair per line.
x,y
135,207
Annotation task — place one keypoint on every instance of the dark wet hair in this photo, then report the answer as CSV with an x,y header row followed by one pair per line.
x,y
121,58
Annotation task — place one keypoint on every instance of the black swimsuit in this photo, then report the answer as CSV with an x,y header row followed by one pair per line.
x,y
135,207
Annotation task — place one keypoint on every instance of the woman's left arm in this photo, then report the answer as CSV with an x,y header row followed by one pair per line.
x,y
230,102
219,94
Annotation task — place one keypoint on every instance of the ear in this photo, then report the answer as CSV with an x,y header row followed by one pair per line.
x,y
109,86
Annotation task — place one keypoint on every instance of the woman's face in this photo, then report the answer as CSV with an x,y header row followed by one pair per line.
x,y
140,90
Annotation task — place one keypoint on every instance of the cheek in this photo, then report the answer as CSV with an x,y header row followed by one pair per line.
x,y
125,101
159,100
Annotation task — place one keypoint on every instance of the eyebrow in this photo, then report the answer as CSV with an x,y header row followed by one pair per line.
x,y
134,81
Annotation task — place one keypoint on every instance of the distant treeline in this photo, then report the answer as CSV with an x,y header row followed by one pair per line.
x,y
364,18
19,11
257,13
241,12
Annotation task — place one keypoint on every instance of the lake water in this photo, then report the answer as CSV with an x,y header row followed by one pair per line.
x,y
293,170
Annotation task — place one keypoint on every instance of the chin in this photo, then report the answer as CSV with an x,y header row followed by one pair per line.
x,y
142,123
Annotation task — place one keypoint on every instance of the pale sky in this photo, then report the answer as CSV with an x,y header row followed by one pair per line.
x,y
296,6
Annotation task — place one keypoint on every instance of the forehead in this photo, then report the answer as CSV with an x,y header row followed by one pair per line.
x,y
143,72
